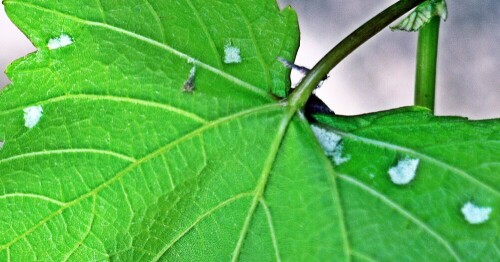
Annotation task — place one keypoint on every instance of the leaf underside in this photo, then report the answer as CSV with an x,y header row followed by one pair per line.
x,y
124,165
459,162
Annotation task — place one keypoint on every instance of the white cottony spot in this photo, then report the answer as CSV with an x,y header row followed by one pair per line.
x,y
337,155
32,115
404,171
328,140
331,144
1,144
231,54
191,60
475,214
58,42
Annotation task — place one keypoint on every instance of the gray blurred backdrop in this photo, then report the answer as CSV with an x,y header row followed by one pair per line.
x,y
379,75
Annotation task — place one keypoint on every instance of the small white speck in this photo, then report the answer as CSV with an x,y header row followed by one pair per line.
x,y
58,42
331,144
371,175
191,60
476,214
404,171
1,144
32,116
231,54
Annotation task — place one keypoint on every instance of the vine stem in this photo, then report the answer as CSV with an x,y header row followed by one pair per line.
x,y
425,82
304,90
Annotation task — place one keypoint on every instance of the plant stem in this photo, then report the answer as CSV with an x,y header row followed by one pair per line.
x,y
302,92
425,82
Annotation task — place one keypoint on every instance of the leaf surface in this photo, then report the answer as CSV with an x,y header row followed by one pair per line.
x,y
106,158
458,163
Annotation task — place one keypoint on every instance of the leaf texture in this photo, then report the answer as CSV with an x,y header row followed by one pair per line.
x,y
121,164
459,162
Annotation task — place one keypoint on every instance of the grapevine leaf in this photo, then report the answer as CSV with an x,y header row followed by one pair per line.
x,y
418,185
422,15
151,130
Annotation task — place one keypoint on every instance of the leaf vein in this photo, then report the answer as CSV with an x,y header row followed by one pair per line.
x,y
258,91
87,232
148,157
145,103
431,159
271,229
257,47
165,249
68,151
403,212
207,33
262,183
35,196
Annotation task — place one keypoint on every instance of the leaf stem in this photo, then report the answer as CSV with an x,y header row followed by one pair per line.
x,y
425,82
300,95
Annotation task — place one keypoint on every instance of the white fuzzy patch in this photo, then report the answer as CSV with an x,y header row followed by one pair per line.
x,y
58,42
331,144
404,171
231,54
32,116
476,214
337,155
1,144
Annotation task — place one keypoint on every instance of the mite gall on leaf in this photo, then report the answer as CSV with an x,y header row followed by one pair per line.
x,y
404,172
32,116
231,54
331,144
476,214
58,42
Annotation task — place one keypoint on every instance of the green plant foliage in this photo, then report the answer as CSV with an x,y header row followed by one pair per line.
x,y
422,15
107,155
152,131
458,163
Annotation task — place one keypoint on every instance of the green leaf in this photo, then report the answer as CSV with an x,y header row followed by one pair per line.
x,y
422,15
457,174
147,131
151,131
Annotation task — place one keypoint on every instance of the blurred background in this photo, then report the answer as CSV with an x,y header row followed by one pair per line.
x,y
380,74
